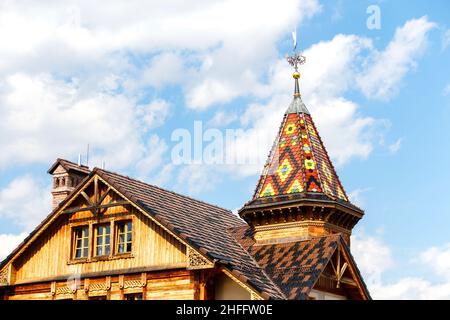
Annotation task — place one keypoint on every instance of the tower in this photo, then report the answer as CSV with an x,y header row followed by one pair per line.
x,y
299,195
66,176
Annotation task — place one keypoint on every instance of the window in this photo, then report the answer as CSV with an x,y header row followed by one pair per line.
x,y
81,247
102,239
124,237
133,296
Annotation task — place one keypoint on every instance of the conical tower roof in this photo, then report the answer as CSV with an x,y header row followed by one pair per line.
x,y
298,161
299,193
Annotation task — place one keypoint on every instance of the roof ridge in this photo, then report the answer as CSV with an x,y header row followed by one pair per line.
x,y
71,162
68,165
96,169
329,160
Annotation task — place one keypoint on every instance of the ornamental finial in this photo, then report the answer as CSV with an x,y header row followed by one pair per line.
x,y
295,60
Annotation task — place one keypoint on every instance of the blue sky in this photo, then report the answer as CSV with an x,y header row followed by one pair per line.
x,y
124,80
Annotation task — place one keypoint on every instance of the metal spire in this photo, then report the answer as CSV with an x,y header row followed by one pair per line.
x,y
295,60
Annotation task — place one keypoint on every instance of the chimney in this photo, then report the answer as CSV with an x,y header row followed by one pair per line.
x,y
66,176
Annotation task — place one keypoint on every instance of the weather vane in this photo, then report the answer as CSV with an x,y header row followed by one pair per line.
x,y
296,59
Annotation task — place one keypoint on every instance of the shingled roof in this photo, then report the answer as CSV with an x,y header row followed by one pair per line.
x,y
68,166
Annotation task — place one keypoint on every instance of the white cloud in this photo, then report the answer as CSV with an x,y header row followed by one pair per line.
x,y
9,243
25,201
222,119
196,179
156,149
375,258
163,176
166,68
446,39
447,90
44,118
394,147
154,114
357,196
438,259
218,36
372,256
411,288
384,74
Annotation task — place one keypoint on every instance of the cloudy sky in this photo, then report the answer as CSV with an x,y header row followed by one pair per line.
x,y
124,77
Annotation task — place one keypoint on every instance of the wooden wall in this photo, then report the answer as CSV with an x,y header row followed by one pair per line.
x,y
164,285
50,256
157,267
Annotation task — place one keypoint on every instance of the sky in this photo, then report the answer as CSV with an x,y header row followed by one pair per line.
x,y
189,95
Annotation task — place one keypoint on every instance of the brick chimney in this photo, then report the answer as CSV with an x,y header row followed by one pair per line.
x,y
66,176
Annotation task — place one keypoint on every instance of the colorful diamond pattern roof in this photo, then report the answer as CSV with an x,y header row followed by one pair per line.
x,y
298,161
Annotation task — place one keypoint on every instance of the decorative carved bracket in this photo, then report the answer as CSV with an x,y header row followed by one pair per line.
x,y
196,261
133,284
97,286
64,290
339,269
4,277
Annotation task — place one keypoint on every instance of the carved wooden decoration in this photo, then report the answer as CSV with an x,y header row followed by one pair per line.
x,y
65,290
4,277
196,261
133,284
96,206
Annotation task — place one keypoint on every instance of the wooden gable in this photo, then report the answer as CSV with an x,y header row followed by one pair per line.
x,y
49,254
340,278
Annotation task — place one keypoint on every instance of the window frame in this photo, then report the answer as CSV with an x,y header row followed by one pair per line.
x,y
117,225
104,235
75,239
114,221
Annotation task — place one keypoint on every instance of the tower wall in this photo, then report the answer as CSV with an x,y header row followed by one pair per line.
x,y
64,182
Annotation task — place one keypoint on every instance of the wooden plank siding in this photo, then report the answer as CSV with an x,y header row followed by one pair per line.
x,y
164,285
50,256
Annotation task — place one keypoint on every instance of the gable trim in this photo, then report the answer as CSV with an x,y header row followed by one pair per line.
x,y
354,271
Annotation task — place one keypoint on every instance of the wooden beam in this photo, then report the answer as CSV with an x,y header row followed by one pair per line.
x,y
96,190
349,281
85,196
104,195
102,206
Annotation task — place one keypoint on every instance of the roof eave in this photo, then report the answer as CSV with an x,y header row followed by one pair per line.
x,y
302,201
